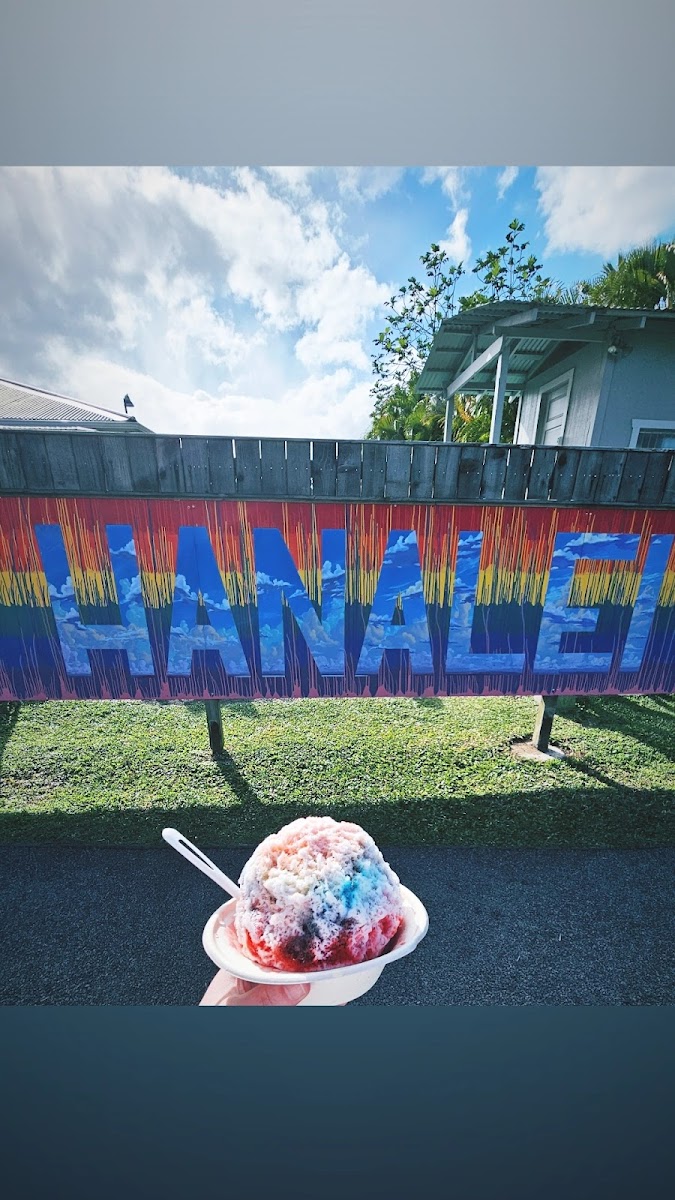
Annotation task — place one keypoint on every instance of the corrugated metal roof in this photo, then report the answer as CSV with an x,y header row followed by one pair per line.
x,y
21,404
462,338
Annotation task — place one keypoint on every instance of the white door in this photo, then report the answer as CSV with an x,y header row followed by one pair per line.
x,y
553,413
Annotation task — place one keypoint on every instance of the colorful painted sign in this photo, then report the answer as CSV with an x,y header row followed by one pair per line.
x,y
196,599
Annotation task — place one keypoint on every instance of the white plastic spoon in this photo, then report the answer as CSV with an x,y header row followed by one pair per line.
x,y
199,860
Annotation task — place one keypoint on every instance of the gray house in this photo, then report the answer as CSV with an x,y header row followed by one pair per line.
x,y
23,407
583,376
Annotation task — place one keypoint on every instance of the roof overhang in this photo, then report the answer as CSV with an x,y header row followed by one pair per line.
x,y
467,347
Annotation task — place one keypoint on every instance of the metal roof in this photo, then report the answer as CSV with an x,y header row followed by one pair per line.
x,y
21,405
463,338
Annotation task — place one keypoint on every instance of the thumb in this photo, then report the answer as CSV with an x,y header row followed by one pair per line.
x,y
269,995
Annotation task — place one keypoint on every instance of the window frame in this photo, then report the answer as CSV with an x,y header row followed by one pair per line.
x,y
638,424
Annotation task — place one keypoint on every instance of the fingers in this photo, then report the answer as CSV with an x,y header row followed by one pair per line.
x,y
269,995
227,991
218,989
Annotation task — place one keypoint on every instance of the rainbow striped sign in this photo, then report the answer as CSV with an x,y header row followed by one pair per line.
x,y
198,599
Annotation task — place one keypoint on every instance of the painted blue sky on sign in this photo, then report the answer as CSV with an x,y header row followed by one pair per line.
x,y
245,301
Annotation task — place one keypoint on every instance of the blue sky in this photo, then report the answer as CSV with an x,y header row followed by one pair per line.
x,y
245,300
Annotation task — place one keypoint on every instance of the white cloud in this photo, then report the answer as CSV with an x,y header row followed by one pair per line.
x,y
457,243
345,297
605,209
452,180
367,183
505,178
335,404
201,296
294,179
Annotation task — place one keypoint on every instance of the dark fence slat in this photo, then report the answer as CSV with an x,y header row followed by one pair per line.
x,y
422,470
12,474
517,473
60,451
248,471
587,477
89,461
143,463
52,462
349,469
273,466
633,477
494,472
170,471
669,488
541,472
195,465
373,470
36,464
324,470
447,471
470,472
221,467
564,474
613,462
298,469
654,484
116,466
397,471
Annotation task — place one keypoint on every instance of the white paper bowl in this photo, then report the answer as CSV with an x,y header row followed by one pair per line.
x,y
335,985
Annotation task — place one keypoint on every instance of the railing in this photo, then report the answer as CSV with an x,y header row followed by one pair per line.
x,y
48,463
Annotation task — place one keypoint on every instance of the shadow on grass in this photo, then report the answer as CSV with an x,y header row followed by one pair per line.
x,y
235,780
622,714
591,817
229,708
9,712
430,702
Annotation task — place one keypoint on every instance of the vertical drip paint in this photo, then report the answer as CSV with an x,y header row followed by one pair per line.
x,y
399,593
199,592
560,618
76,639
191,598
460,656
644,610
278,582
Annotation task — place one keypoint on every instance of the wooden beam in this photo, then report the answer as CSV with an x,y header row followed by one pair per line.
x,y
449,414
214,720
527,317
500,391
554,331
544,723
477,365
629,323
582,319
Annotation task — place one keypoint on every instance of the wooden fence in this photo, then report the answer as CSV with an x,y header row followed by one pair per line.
x,y
109,464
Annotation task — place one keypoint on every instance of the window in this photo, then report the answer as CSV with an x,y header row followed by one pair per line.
x,y
554,401
653,435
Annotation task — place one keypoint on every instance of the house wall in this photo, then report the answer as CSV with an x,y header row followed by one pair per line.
x,y
588,363
641,384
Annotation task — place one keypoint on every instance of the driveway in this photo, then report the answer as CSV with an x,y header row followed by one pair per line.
x,y
123,926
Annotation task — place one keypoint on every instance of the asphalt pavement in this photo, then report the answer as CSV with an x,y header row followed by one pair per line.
x,y
123,926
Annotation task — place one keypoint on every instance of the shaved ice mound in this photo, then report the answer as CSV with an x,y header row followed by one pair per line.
x,y
317,894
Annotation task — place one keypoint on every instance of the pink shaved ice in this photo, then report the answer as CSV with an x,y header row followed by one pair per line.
x,y
317,894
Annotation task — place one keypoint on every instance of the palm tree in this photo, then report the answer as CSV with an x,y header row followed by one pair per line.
x,y
405,416
642,278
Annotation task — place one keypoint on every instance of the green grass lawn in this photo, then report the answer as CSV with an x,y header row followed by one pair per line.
x,y
411,772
